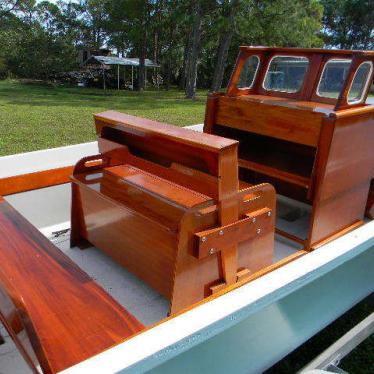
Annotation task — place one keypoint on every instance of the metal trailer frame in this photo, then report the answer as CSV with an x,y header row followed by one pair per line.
x,y
328,361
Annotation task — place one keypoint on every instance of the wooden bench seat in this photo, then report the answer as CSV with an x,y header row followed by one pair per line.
x,y
150,192
65,314
158,186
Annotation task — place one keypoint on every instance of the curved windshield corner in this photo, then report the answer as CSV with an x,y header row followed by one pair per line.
x,y
248,73
360,83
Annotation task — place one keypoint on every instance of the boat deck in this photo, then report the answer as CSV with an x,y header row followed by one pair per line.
x,y
50,211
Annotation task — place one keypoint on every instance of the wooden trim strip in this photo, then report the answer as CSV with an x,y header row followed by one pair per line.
x,y
240,283
338,234
298,51
289,236
298,180
36,180
258,274
350,112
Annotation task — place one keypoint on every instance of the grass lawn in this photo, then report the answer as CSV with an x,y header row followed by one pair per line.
x,y
37,117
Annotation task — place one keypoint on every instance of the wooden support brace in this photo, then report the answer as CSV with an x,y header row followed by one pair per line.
x,y
240,276
228,187
218,239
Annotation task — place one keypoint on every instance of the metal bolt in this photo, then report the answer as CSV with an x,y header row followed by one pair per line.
x,y
258,231
211,251
269,214
203,239
221,232
254,219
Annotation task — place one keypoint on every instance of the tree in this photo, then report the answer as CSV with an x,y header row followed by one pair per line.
x,y
349,24
195,41
267,22
95,18
229,11
7,7
200,12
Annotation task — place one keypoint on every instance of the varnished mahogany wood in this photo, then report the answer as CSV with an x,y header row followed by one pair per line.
x,y
32,181
370,202
154,185
293,238
317,59
295,179
317,150
223,290
306,51
157,186
279,121
150,129
219,238
66,316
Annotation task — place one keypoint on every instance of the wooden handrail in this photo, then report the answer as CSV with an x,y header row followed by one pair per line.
x,y
276,173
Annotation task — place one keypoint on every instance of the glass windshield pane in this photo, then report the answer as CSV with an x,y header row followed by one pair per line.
x,y
359,83
286,73
333,78
248,73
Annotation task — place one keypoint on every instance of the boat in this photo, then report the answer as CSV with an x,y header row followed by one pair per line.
x,y
86,286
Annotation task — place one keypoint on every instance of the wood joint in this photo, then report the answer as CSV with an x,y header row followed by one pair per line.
x,y
211,241
241,275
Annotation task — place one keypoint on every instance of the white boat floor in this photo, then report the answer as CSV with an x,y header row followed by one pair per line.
x,y
142,301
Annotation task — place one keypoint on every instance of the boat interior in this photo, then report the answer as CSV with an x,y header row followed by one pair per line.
x,y
50,213
162,218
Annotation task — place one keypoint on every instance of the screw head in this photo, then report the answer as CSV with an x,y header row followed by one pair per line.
x,y
254,219
269,214
221,232
203,239
258,231
211,251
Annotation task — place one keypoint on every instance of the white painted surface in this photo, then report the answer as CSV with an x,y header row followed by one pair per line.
x,y
30,162
198,127
228,307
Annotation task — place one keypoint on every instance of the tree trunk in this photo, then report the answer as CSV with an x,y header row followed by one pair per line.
x,y
170,59
143,48
168,75
186,61
222,52
141,77
191,73
223,46
156,37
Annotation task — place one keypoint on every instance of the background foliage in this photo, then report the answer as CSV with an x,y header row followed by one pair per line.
x,y
196,41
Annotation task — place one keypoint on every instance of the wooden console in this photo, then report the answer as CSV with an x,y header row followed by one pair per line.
x,y
166,203
311,146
